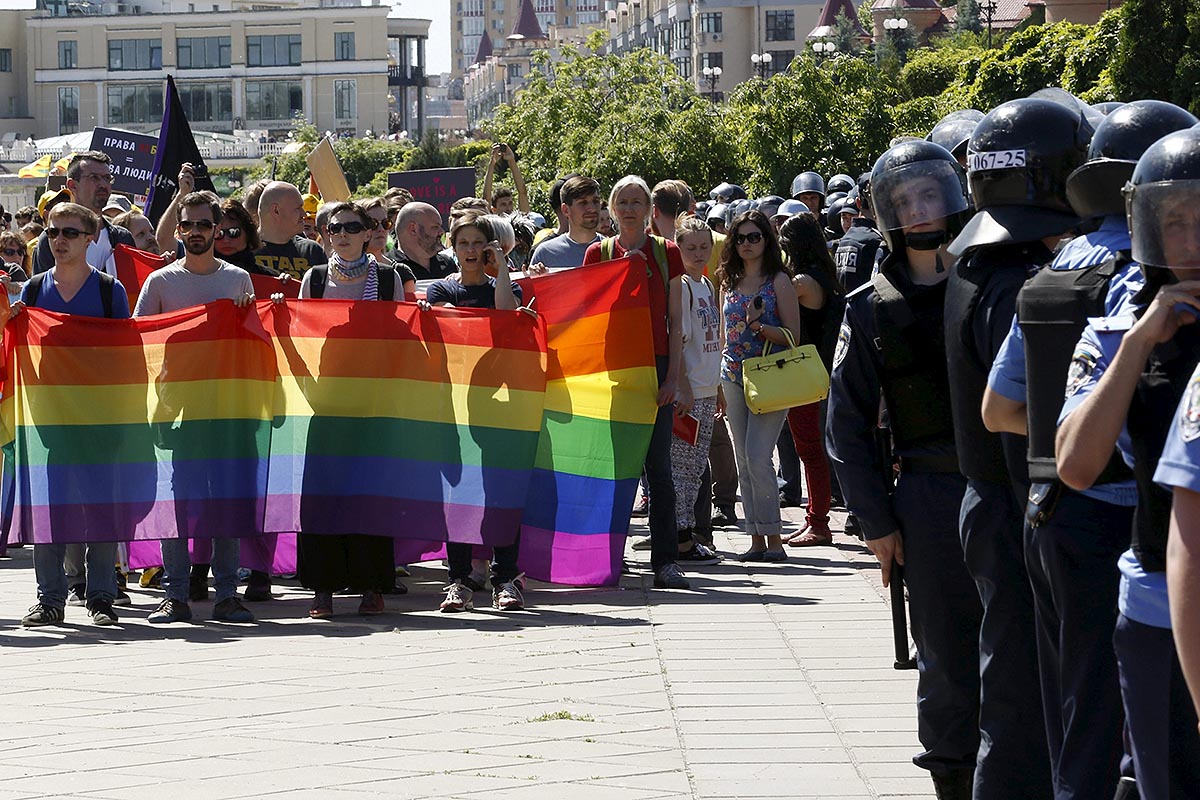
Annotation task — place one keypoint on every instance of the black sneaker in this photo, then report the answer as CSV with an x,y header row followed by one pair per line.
x,y
198,586
170,611
670,577
101,612
258,587
41,614
231,610
725,517
122,598
77,595
699,554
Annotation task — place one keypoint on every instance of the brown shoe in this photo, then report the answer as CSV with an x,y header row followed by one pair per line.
x,y
371,605
322,606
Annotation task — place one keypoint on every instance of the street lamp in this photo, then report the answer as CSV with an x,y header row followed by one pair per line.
x,y
712,75
895,24
761,62
824,49
988,9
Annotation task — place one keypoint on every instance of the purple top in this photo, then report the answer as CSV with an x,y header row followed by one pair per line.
x,y
741,342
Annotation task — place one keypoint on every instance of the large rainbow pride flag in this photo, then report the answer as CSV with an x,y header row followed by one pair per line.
x,y
154,428
397,422
601,394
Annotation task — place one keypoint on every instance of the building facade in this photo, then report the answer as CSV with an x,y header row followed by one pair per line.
x,y
335,63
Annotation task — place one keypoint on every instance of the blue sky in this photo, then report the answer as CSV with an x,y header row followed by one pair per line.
x,y
437,53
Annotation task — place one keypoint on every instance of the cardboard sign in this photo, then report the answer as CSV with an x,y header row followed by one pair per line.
x,y
327,172
132,157
437,187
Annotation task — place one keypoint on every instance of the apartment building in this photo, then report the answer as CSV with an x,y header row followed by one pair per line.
x,y
238,65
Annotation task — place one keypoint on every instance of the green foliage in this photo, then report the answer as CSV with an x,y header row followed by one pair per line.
x,y
917,117
1089,57
1031,59
967,19
845,35
1153,42
930,71
1187,70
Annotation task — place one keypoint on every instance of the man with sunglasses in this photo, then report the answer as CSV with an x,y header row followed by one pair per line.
x,y
72,286
199,277
89,180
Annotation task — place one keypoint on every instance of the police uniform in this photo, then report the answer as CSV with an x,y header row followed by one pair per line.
x,y
895,348
857,253
1072,539
980,302
1159,714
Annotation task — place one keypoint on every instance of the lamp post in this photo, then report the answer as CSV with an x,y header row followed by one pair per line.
x,y
894,26
761,62
824,49
988,9
712,75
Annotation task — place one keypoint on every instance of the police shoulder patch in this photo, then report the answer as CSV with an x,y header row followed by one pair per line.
x,y
843,345
1189,416
1083,364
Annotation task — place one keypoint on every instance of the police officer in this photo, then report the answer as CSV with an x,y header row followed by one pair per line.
x,y
1074,539
1129,373
839,183
809,188
859,248
892,342
1018,161
727,193
954,130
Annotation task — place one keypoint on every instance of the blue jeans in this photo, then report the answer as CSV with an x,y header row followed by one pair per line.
x,y
664,536
177,568
754,438
101,559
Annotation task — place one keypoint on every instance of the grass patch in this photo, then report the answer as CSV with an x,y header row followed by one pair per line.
x,y
564,714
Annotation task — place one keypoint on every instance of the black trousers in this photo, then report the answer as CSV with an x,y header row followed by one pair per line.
x,y
354,561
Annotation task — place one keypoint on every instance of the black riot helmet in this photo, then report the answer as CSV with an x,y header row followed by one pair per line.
x,y
917,184
1094,190
1107,107
1018,161
736,209
808,182
864,196
954,130
839,183
833,213
769,205
1163,204
832,198
727,193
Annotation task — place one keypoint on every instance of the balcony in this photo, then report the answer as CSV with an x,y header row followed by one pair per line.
x,y
406,76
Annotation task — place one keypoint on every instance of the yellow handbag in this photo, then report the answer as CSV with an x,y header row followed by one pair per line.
x,y
784,379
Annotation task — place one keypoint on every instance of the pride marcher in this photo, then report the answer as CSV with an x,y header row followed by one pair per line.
x,y
200,277
72,286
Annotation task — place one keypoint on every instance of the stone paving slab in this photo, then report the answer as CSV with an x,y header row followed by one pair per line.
x,y
763,681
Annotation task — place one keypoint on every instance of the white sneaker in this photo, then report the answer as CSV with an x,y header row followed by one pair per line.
x,y
458,598
507,597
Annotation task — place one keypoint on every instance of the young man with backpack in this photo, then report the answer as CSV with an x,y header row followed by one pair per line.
x,y
73,286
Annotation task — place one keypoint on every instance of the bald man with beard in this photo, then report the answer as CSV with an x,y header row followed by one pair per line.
x,y
418,236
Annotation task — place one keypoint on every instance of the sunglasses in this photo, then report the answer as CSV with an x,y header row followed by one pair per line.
x,y
189,225
753,238
70,233
11,252
232,233
335,228
386,224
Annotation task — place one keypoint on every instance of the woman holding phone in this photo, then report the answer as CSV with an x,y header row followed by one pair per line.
x,y
758,305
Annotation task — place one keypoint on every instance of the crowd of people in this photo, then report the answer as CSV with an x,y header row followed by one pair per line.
x,y
1005,311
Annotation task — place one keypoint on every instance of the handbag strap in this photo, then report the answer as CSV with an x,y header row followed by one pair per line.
x,y
787,334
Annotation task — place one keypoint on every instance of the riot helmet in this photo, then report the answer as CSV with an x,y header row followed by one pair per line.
x,y
916,185
833,197
1163,203
716,217
808,182
727,192
839,183
1094,190
790,208
833,213
954,130
769,205
702,209
864,196
1091,116
1018,161
736,209
1107,107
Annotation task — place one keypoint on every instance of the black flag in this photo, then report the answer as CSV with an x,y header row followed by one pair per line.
x,y
175,148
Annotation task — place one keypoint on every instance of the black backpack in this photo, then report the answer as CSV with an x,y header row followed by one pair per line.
x,y
107,282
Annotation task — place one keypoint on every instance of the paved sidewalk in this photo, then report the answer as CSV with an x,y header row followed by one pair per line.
x,y
768,680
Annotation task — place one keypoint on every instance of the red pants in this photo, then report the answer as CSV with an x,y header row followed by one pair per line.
x,y
805,424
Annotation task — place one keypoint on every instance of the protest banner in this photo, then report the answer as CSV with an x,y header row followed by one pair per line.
x,y
132,157
438,187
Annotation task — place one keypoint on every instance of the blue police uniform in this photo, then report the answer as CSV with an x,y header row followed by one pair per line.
x,y
1071,554
877,355
1159,715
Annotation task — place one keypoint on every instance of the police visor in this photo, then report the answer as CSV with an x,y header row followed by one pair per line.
x,y
1164,223
917,193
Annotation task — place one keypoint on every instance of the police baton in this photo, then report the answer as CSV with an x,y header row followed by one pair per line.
x,y
904,659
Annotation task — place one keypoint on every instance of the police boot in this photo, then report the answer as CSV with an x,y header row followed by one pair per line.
x,y
1127,790
954,785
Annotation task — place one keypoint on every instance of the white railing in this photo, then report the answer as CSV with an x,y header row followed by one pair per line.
x,y
24,154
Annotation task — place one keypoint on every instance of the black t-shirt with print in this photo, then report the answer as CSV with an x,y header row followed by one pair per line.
x,y
294,257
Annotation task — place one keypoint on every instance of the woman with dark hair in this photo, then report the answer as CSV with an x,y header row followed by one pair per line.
x,y
381,221
14,256
759,304
821,304
237,239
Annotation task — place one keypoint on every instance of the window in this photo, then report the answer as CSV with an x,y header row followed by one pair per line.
x,y
345,100
514,72
712,60
203,102
473,26
684,67
135,103
68,109
67,54
208,52
683,34
781,26
780,59
343,47
543,6
134,54
546,20
710,22
273,99
273,51
5,59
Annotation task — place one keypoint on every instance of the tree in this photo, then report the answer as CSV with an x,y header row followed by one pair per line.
x,y
1153,41
967,19
845,35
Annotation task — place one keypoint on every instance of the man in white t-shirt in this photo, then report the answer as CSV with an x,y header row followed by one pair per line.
x,y
90,181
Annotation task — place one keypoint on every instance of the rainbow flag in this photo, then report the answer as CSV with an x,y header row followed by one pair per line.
x,y
601,390
134,267
397,422
153,428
